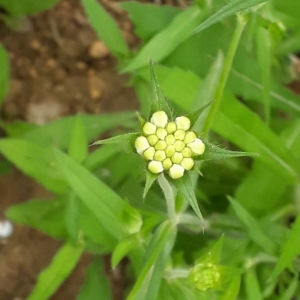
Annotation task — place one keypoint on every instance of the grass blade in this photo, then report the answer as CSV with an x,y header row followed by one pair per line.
x,y
171,37
228,10
4,74
106,28
290,249
253,228
55,274
96,283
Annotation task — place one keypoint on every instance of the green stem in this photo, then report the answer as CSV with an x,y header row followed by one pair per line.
x,y
241,22
169,196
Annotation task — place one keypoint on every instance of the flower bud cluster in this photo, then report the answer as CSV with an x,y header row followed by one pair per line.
x,y
168,146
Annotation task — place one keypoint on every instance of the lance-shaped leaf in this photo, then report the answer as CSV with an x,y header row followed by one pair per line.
x,y
213,152
158,100
185,187
125,141
229,9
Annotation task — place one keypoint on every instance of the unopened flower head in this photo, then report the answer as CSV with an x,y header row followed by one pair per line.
x,y
169,146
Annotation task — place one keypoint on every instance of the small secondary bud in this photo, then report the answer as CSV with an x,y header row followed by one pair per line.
x,y
187,152
170,150
152,139
190,137
160,145
179,146
170,139
177,158
167,164
161,133
159,155
179,134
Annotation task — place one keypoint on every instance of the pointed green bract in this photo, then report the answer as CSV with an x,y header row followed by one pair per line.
x,y
150,179
185,188
213,152
125,141
158,101
229,9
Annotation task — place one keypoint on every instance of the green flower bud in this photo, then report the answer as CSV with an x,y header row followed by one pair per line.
x,y
187,152
187,163
160,155
205,277
190,137
176,171
179,145
177,158
167,164
161,145
149,153
141,144
161,133
160,119
149,128
170,150
170,139
183,123
197,147
152,139
171,127
155,167
179,134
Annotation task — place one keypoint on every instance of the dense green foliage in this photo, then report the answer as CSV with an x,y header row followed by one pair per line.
x,y
237,56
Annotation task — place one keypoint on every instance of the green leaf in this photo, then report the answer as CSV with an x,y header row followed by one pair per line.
x,y
289,7
171,37
291,289
207,91
213,152
228,10
213,254
106,28
263,44
72,216
78,144
149,18
43,215
106,205
155,260
123,248
150,179
4,74
17,8
232,291
35,161
100,156
253,228
252,287
185,188
56,273
96,283
59,132
290,249
125,141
